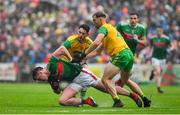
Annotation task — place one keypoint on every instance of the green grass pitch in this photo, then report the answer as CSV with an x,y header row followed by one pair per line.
x,y
39,99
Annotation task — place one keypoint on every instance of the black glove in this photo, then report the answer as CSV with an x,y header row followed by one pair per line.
x,y
78,57
55,87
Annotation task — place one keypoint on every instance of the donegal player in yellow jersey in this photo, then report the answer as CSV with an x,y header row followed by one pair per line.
x,y
108,38
77,44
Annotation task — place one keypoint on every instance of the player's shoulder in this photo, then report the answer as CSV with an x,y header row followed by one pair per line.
x,y
123,24
165,36
88,40
140,26
72,38
153,37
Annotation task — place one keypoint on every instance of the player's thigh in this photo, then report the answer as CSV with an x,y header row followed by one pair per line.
x,y
110,71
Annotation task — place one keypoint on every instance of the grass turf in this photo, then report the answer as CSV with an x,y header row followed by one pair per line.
x,y
38,99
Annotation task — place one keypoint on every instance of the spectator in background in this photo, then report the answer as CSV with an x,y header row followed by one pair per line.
x,y
41,20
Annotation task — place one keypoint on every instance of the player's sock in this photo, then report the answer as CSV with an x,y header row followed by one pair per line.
x,y
117,102
159,90
89,101
83,93
135,97
152,75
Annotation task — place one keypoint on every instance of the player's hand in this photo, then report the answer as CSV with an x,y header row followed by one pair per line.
x,y
55,86
78,57
58,91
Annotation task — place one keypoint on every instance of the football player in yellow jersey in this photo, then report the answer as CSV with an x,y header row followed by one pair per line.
x,y
108,38
76,45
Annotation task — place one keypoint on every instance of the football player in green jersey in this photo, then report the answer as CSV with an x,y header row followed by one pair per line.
x,y
134,34
59,70
159,43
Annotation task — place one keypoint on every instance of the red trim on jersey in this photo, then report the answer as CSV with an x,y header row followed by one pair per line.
x,y
126,36
129,36
89,74
60,68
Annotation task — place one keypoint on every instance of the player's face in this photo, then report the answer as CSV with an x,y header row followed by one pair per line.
x,y
42,75
133,20
96,21
82,34
159,31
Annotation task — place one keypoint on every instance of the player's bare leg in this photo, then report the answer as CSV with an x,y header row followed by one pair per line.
x,y
135,87
121,91
157,74
67,98
109,72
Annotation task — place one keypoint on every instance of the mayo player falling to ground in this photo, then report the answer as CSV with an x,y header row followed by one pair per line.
x,y
58,70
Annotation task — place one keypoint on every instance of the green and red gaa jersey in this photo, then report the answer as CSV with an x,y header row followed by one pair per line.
x,y
128,33
65,71
160,45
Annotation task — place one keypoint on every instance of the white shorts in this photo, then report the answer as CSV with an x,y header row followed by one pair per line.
x,y
85,79
157,62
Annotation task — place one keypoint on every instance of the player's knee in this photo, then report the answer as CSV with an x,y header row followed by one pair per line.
x,y
62,101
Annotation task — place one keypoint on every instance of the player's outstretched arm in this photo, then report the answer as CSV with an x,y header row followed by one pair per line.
x,y
95,44
98,50
62,51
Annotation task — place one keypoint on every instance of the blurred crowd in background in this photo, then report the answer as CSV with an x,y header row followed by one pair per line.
x,y
31,29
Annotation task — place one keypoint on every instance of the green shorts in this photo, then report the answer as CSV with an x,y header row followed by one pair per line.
x,y
124,60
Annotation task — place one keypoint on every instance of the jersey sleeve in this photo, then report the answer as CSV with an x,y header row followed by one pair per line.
x,y
89,41
143,32
118,27
67,44
103,30
168,42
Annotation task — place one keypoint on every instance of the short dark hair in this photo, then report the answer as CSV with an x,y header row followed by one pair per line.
x,y
134,13
85,27
159,26
35,71
99,14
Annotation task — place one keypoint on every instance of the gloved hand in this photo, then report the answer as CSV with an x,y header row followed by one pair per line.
x,y
78,57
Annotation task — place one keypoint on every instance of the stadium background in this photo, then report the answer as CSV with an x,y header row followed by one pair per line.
x,y
31,29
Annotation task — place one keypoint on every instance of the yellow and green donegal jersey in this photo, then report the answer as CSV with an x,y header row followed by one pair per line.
x,y
113,41
73,44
